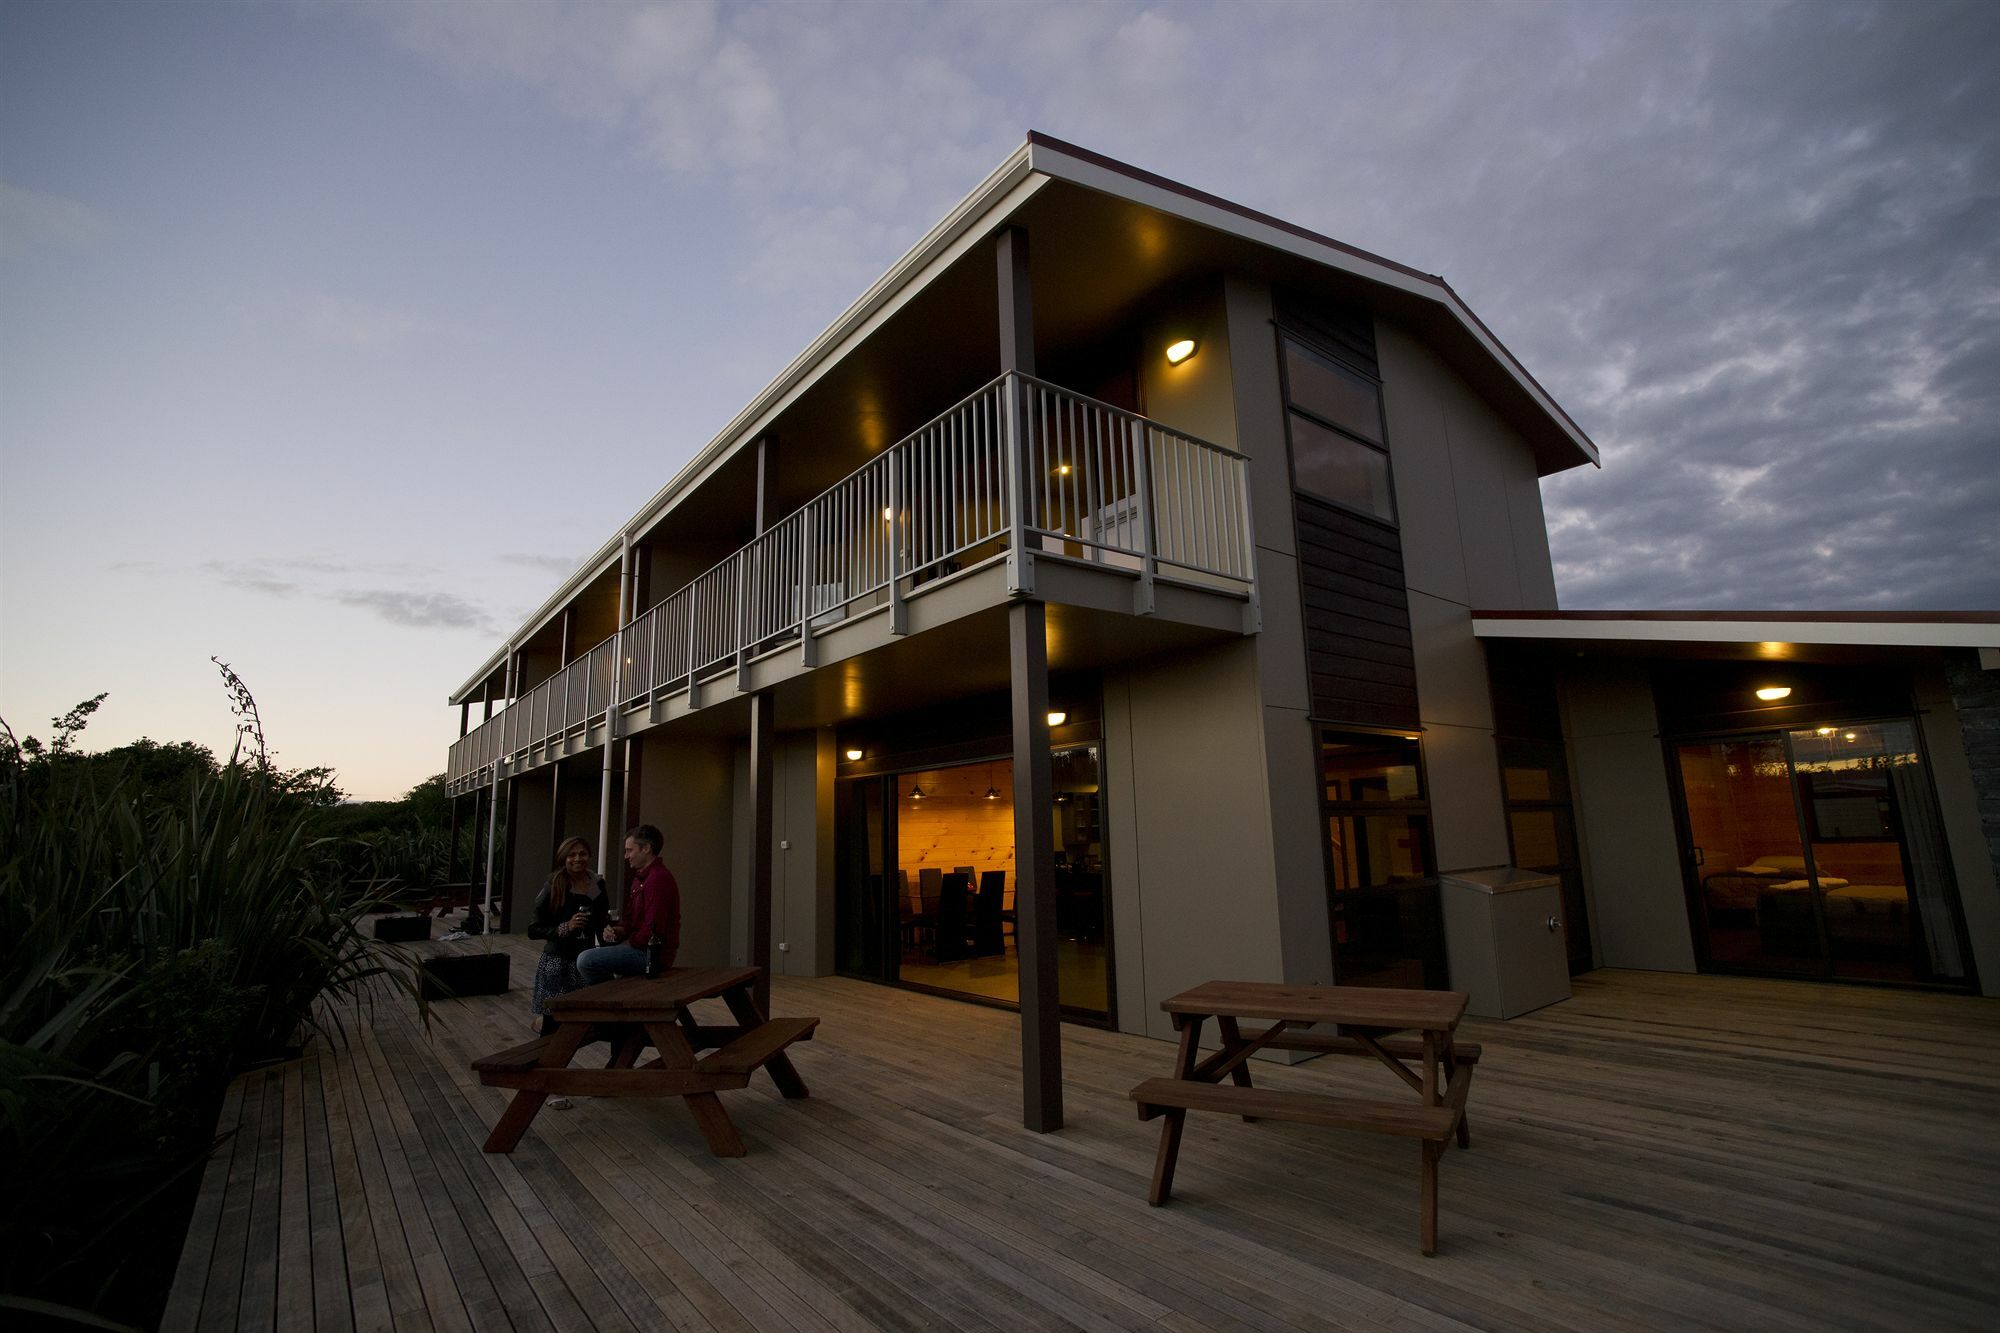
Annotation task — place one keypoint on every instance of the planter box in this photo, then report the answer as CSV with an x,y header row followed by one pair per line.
x,y
401,929
450,976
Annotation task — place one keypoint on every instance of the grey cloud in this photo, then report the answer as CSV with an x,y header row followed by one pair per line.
x,y
552,564
411,608
419,610
249,577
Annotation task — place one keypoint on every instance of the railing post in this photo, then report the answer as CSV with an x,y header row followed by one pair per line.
x,y
1020,564
694,622
807,657
899,613
1149,558
743,618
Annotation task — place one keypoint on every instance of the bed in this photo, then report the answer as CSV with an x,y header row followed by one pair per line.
x,y
1862,920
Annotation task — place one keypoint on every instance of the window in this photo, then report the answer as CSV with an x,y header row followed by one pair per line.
x,y
1378,818
1335,417
1387,926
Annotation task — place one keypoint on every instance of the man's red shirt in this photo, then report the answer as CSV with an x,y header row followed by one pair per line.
x,y
653,907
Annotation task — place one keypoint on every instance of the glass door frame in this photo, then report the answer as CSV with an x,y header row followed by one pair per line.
x,y
1691,879
890,941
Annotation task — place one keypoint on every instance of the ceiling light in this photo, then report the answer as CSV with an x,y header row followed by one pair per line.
x,y
1062,470
1179,350
1850,736
856,752
1769,693
916,791
1056,719
992,794
1823,731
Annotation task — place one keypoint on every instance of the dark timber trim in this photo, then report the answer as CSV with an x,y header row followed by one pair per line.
x,y
1035,869
763,716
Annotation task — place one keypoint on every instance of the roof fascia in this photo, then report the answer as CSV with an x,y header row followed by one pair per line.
x,y
1010,186
1969,630
1080,166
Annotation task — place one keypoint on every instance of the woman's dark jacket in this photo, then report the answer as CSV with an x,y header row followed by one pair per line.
x,y
548,918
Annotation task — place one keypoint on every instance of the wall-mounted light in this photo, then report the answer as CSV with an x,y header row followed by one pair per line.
x,y
1180,349
1849,736
1772,693
1056,719
1062,470
1823,731
856,753
888,515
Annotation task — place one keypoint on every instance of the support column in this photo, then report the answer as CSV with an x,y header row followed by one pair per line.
x,y
1035,869
606,830
451,848
1017,356
492,834
763,774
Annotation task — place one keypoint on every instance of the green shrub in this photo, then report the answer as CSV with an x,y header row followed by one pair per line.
x,y
159,931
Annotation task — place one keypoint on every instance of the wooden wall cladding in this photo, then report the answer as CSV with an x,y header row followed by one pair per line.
x,y
1357,618
955,825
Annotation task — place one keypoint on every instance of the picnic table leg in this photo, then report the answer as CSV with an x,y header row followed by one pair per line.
x,y
1232,1038
706,1107
1163,1162
1451,1076
1428,1230
520,1113
626,1048
743,1005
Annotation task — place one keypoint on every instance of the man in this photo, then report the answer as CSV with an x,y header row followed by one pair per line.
x,y
652,911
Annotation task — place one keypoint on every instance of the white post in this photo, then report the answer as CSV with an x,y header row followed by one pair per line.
x,y
604,822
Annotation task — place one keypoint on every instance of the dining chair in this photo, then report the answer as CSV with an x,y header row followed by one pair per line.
x,y
951,918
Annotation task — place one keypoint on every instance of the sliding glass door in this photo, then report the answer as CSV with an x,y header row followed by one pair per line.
x,y
1818,852
926,892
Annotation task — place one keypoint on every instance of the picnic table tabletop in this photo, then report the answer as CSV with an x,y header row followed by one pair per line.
x,y
1378,1007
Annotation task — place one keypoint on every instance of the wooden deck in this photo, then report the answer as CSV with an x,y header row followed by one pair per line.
x,y
1659,1152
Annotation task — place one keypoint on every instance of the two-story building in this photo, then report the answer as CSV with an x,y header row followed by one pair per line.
x,y
1132,589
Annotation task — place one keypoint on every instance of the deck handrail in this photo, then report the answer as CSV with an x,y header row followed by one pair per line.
x,y
1095,483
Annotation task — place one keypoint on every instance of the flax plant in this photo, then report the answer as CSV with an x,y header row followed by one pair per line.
x,y
152,943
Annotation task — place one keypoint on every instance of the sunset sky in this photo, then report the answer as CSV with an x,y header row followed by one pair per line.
x,y
333,335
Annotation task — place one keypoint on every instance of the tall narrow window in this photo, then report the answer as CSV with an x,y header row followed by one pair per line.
x,y
1387,930
1334,413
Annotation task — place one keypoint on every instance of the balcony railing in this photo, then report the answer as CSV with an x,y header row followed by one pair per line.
x,y
1020,468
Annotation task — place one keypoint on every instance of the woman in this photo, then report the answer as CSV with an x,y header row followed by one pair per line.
x,y
569,913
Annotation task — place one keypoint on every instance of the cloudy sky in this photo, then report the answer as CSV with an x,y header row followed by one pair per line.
x,y
332,335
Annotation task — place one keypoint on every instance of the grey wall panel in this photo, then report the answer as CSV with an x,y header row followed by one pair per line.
x,y
1624,818
1195,395
1260,410
1420,457
1532,562
530,862
687,791
1281,646
1206,901
1298,846
1958,804
796,910
1121,851
579,794
1450,664
1468,821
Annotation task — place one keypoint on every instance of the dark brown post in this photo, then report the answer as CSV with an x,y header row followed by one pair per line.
x,y
507,863
451,848
763,715
1035,869
1017,308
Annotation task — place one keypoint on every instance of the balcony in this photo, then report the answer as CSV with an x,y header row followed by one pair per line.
x,y
1020,485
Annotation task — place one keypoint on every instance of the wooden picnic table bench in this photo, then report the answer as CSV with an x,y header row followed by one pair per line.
x,y
633,1013
1367,1015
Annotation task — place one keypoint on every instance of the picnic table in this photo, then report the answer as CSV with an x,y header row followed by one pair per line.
x,y
1366,1017
633,1013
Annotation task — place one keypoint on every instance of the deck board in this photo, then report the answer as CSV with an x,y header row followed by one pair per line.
x,y
1660,1151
